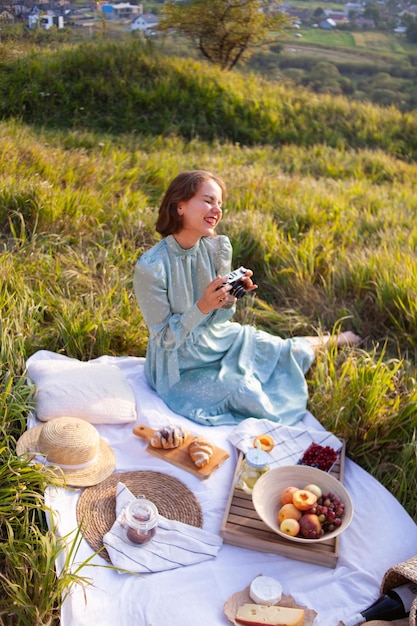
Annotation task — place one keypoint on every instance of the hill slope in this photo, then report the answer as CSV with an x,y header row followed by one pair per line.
x,y
128,87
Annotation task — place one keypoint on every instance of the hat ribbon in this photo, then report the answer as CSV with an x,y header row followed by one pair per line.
x,y
42,459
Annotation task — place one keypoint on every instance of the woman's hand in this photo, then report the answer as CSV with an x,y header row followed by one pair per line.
x,y
248,284
215,295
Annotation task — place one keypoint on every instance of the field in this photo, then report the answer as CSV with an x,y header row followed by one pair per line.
x,y
312,5
354,45
321,205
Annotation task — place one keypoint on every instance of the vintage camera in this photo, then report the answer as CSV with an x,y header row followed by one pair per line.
x,y
235,279
238,290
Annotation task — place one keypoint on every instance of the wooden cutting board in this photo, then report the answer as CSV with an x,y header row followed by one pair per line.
x,y
180,456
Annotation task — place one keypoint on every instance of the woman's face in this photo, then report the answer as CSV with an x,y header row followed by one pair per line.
x,y
200,214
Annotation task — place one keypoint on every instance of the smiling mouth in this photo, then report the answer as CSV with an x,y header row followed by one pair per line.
x,y
212,221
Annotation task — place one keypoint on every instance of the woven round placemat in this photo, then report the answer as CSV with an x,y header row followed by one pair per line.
x,y
96,508
398,575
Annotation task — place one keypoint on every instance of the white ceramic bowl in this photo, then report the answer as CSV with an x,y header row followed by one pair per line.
x,y
268,488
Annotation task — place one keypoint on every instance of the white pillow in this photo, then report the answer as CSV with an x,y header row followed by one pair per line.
x,y
95,392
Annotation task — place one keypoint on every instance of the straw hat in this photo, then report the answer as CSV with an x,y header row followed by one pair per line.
x,y
71,445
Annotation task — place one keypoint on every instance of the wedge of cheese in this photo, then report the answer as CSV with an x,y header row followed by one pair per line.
x,y
262,615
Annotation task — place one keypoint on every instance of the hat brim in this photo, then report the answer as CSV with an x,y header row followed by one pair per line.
x,y
103,465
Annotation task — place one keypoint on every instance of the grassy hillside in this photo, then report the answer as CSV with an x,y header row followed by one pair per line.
x,y
129,87
321,205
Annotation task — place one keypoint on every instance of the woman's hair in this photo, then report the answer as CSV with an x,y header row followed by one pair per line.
x,y
182,188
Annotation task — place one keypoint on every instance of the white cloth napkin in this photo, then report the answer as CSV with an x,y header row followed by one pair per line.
x,y
175,544
290,441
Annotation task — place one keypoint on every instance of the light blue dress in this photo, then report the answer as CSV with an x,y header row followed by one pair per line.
x,y
206,367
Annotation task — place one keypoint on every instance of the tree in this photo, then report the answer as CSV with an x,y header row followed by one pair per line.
x,y
411,32
226,32
373,12
324,78
412,57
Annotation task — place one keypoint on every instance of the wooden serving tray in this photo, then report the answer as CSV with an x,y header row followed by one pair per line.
x,y
243,527
180,456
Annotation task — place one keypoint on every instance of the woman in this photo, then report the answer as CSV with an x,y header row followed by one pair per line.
x,y
204,366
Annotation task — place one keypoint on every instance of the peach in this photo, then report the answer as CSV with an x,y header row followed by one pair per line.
x,y
287,494
304,499
290,526
310,526
314,489
265,441
288,511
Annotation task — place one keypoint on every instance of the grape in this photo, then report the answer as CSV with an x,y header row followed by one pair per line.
x,y
333,509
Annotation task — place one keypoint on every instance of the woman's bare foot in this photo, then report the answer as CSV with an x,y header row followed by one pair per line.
x,y
347,338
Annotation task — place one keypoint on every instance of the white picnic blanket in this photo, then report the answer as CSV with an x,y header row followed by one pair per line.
x,y
380,535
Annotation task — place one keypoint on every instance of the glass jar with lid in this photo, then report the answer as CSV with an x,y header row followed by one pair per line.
x,y
140,520
254,465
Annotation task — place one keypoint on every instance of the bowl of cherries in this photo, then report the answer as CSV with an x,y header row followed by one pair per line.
x,y
322,457
302,504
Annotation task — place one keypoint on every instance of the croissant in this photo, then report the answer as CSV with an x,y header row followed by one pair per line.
x,y
168,437
201,450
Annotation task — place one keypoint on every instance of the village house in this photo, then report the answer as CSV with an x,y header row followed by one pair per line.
x,y
122,11
327,24
45,19
146,23
6,17
19,8
409,10
356,8
365,22
300,14
338,17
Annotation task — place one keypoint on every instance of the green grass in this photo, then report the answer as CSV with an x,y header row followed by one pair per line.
x,y
330,38
321,205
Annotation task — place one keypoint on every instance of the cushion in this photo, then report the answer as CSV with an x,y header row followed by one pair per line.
x,y
96,392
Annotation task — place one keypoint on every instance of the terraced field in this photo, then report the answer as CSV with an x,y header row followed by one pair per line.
x,y
347,45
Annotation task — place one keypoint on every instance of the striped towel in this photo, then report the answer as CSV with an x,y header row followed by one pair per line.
x,y
175,544
290,441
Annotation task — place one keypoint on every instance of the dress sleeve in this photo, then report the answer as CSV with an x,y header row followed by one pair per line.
x,y
223,255
168,330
